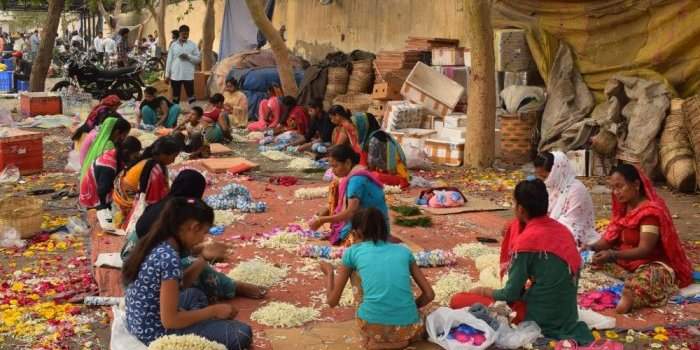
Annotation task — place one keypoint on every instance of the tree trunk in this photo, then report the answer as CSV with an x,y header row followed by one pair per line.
x,y
40,68
481,105
160,18
279,48
208,37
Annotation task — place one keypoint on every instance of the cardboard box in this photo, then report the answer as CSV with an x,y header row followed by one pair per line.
x,y
448,56
437,93
412,137
452,134
402,115
512,51
390,89
467,58
429,121
456,120
444,152
580,161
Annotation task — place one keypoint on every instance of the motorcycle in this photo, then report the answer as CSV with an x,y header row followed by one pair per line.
x,y
123,82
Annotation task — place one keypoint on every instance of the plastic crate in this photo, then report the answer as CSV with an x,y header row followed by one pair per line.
x,y
9,64
39,103
22,85
6,80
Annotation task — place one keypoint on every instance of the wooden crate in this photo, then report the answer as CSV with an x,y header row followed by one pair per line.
x,y
437,93
444,152
39,103
200,85
24,149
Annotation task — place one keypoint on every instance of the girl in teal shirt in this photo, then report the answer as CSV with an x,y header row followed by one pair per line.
x,y
380,274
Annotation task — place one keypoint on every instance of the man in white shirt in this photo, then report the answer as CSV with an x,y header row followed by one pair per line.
x,y
20,44
76,41
110,49
183,55
34,42
98,44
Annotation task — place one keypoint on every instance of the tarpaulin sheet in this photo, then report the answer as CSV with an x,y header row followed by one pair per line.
x,y
651,39
256,82
238,32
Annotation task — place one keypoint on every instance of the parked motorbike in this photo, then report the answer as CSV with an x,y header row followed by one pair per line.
x,y
123,82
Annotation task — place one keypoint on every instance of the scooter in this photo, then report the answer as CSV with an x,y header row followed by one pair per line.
x,y
123,82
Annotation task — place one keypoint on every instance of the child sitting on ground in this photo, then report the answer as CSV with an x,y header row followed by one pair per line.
x,y
155,303
380,273
215,121
156,111
190,133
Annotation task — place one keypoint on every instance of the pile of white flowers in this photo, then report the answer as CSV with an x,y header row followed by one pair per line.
x,y
184,342
299,163
226,217
275,155
450,284
258,272
488,260
311,193
473,250
288,241
490,277
392,189
284,315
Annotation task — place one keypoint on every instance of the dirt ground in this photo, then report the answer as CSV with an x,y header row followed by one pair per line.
x,y
78,327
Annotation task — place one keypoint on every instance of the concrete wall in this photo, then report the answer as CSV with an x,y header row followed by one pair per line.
x,y
313,30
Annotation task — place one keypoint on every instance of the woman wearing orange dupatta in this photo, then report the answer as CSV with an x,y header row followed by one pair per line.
x,y
641,245
352,129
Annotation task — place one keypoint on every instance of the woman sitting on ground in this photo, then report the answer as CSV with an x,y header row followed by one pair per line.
x,y
112,131
215,122
107,105
544,253
353,129
641,245
319,134
216,285
160,299
235,104
269,113
156,111
294,122
97,185
149,176
380,273
354,189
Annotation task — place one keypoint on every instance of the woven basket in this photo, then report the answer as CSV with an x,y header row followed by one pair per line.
x,y
362,65
24,214
676,154
517,132
604,142
338,76
354,102
691,119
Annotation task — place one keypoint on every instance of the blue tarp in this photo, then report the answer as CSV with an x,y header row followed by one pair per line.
x,y
256,83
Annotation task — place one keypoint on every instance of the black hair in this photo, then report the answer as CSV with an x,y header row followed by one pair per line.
x,y
630,174
316,103
123,31
177,212
289,101
130,146
198,110
342,153
340,111
175,33
121,126
183,28
216,98
532,196
164,145
233,82
150,90
544,160
371,224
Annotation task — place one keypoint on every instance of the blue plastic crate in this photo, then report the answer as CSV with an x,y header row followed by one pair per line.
x,y
9,63
6,81
22,85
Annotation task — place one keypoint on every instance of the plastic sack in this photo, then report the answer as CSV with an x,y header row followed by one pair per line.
x,y
136,212
104,217
595,320
121,339
523,334
10,174
441,321
416,158
75,225
6,118
73,161
10,238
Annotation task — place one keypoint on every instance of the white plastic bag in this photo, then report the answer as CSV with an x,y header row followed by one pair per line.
x,y
515,338
595,320
73,161
10,174
76,226
121,339
10,238
441,321
136,212
416,158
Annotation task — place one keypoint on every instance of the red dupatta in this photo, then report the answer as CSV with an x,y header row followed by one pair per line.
x,y
539,235
654,206
342,201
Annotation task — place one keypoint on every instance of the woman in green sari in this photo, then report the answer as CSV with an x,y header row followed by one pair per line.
x,y
113,131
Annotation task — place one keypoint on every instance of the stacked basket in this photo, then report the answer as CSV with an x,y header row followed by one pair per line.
x,y
337,84
691,113
675,151
517,133
24,214
361,77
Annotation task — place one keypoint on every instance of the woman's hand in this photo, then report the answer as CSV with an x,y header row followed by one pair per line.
x,y
603,256
215,251
223,311
485,291
326,268
316,223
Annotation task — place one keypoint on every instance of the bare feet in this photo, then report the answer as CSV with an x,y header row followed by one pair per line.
x,y
251,291
625,304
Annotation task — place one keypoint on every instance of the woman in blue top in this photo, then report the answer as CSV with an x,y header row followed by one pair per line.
x,y
357,188
155,304
381,278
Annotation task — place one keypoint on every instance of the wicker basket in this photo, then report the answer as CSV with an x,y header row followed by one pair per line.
x,y
517,132
354,102
691,118
24,214
338,76
676,154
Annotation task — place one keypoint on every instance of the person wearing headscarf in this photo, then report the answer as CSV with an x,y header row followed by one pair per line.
x,y
191,183
570,202
641,245
353,129
269,114
544,254
107,105
111,132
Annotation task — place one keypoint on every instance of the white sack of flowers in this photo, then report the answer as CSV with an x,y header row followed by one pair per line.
x,y
284,315
184,342
258,272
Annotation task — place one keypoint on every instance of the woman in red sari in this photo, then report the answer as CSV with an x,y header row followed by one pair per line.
x,y
641,245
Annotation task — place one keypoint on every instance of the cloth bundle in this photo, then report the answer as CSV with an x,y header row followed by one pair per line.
x,y
435,258
320,251
235,196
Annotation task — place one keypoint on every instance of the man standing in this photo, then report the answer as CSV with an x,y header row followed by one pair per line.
x,y
110,48
76,41
34,42
98,44
183,55
123,47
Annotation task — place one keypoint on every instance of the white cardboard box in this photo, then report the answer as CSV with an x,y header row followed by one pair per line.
x,y
451,134
456,120
580,160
